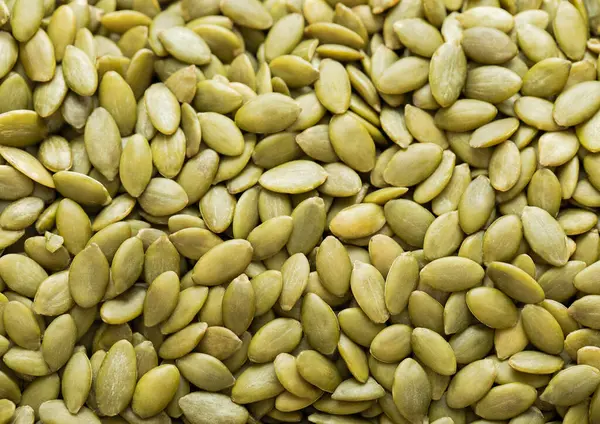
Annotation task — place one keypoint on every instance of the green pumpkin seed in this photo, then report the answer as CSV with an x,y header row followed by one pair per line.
x,y
76,382
257,382
415,71
494,133
550,340
488,45
359,155
581,380
317,370
55,411
115,383
536,362
508,400
550,242
515,282
284,178
568,112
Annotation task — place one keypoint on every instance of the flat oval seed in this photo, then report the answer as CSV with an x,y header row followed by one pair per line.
x,y
103,142
572,385
486,16
408,220
515,282
28,362
163,197
256,383
544,235
121,107
284,35
506,401
53,297
569,30
412,392
334,266
88,276
55,411
122,20
446,86
290,378
294,71
123,308
294,177
27,164
163,108
536,43
557,148
37,57
547,336
318,370
21,214
211,407
401,280
238,305
332,33
183,342
76,381
535,362
476,205
333,86
465,115
223,262
492,307
267,113
309,220
250,14
189,303
433,351
492,84
115,383
196,50
494,133
320,324
21,274
205,372
505,166
488,46
81,188
59,340
414,72
392,344
582,310
367,286
295,271
577,104
546,78
450,274
271,236
217,199
536,113
358,221
418,35
79,71
21,326
163,379
359,155
413,165
221,134
502,239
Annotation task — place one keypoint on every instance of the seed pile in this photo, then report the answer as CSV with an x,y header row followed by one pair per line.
x,y
324,211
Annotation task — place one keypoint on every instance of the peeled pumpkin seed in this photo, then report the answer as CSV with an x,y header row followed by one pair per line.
x,y
263,146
